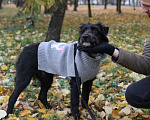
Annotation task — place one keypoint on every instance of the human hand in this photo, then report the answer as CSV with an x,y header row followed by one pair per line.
x,y
102,48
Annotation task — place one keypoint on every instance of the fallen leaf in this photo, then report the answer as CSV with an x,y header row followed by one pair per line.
x,y
126,110
108,109
146,116
30,118
115,114
41,105
101,97
4,67
42,110
101,114
46,116
2,114
25,113
98,107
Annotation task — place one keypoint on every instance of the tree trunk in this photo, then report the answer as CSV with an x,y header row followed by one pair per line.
x,y
19,3
75,5
124,2
1,4
129,2
117,2
55,25
103,1
105,4
119,6
133,4
89,8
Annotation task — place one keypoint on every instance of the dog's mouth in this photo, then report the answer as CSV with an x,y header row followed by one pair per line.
x,y
86,44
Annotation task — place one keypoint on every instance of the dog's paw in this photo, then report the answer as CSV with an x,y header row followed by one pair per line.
x,y
77,116
48,106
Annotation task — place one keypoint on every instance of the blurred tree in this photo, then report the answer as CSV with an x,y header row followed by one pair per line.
x,y
133,4
1,4
75,5
89,8
32,8
56,22
19,3
124,2
105,6
118,4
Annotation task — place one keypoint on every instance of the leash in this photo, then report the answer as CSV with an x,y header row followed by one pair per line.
x,y
78,85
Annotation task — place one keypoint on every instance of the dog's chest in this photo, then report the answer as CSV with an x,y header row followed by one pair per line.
x,y
58,58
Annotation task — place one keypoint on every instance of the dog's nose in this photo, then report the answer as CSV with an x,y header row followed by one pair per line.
x,y
85,37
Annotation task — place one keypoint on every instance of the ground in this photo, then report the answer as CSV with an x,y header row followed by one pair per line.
x,y
128,30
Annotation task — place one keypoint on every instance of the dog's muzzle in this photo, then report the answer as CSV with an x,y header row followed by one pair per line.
x,y
88,40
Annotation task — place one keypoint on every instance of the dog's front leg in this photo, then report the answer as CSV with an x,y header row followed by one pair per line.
x,y
74,99
86,89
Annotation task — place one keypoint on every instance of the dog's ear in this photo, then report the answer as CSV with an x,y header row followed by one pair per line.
x,y
82,27
106,29
102,28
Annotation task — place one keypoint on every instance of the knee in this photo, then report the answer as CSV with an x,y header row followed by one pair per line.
x,y
130,95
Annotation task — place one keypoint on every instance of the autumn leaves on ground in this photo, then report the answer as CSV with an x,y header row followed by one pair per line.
x,y
128,30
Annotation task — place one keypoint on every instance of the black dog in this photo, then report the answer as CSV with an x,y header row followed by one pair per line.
x,y
27,67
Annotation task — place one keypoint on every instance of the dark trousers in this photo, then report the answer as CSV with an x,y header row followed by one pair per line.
x,y
138,94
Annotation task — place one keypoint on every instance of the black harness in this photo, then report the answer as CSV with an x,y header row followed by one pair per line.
x,y
78,85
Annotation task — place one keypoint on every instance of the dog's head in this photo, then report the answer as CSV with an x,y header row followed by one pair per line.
x,y
92,34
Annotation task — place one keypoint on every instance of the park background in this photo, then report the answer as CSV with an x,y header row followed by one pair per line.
x,y
128,28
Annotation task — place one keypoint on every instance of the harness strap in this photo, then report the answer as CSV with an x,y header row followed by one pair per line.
x,y
78,85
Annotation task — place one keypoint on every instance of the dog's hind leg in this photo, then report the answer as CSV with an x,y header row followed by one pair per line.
x,y
26,67
46,80
86,89
22,80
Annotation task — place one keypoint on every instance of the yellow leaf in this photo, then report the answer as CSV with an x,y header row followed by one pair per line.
x,y
120,72
36,95
115,114
111,90
62,105
41,105
46,116
25,113
30,118
134,115
42,110
146,116
122,97
4,99
13,118
58,94
60,115
125,119
140,53
91,98
26,31
4,67
82,116
106,66
2,90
